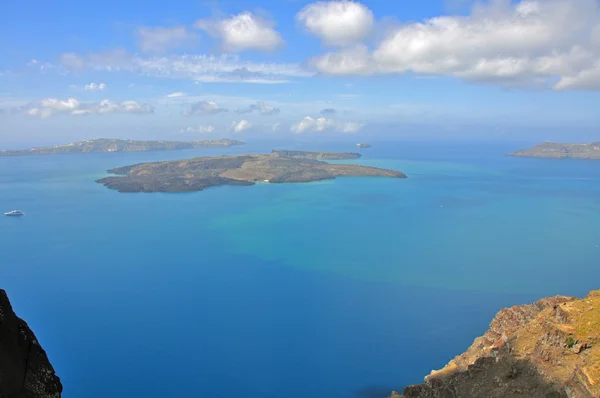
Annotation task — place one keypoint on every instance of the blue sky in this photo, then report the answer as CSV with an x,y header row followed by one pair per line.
x,y
200,69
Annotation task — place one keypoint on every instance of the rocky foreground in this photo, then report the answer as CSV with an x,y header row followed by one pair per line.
x,y
204,172
115,145
550,348
556,150
25,371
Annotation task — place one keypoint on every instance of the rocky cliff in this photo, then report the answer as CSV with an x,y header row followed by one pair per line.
x,y
25,371
550,348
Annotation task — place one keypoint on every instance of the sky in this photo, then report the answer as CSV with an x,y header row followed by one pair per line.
x,y
278,69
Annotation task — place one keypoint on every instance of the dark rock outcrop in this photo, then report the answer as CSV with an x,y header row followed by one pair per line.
x,y
25,371
489,377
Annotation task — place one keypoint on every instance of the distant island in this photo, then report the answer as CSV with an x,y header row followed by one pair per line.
x,y
204,172
116,145
557,150
316,155
363,145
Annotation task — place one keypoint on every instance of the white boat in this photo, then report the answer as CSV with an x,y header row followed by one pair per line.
x,y
14,213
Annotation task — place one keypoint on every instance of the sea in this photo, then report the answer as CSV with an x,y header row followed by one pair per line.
x,y
349,288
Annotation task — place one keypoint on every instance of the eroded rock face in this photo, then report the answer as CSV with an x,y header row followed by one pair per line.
x,y
550,348
25,371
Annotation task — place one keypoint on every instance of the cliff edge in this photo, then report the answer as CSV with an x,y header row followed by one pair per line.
x,y
25,371
550,348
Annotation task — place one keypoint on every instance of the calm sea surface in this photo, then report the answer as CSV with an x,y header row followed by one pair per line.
x,y
339,289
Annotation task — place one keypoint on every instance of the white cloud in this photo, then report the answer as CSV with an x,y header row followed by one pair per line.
x,y
51,106
200,68
328,111
160,38
349,61
58,105
337,23
349,96
240,126
202,129
533,42
310,124
176,95
276,127
94,87
203,108
261,107
41,66
244,31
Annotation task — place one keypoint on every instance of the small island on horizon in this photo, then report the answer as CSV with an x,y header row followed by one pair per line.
x,y
561,151
100,145
364,145
200,173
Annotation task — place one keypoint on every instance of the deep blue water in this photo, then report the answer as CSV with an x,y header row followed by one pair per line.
x,y
345,289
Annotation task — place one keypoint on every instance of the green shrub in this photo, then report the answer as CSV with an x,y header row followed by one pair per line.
x,y
570,342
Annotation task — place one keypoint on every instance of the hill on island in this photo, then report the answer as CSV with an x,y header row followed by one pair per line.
x,y
557,150
116,145
204,172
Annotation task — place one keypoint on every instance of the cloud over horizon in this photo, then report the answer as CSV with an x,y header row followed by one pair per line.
x,y
309,124
202,129
225,68
261,107
203,108
337,23
160,39
531,42
94,87
243,32
72,106
242,125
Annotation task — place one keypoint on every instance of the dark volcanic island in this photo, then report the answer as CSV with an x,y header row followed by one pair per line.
x,y
115,145
204,172
556,150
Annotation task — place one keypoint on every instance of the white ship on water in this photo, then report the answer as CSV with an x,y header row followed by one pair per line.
x,y
14,213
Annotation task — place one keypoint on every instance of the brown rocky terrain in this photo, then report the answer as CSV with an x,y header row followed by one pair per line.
x,y
557,150
25,371
204,172
550,348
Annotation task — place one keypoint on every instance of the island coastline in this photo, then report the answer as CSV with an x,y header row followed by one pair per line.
x,y
200,173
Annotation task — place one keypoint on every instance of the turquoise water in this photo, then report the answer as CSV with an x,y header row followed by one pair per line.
x,y
345,288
